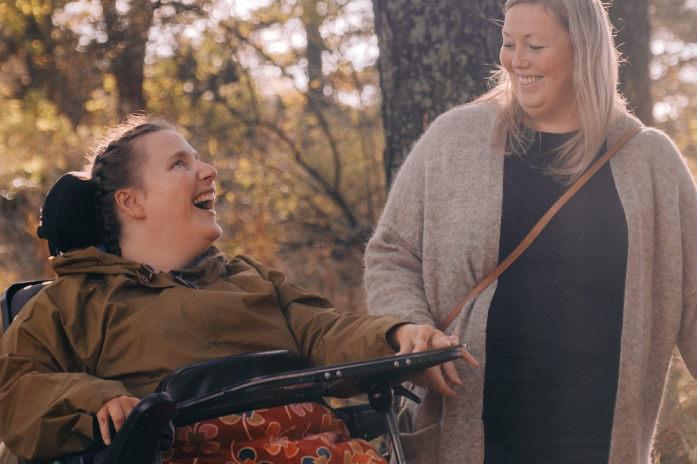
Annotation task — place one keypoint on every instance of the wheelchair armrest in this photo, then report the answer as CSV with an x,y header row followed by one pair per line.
x,y
209,376
138,440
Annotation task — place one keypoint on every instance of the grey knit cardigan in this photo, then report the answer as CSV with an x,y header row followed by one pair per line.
x,y
439,235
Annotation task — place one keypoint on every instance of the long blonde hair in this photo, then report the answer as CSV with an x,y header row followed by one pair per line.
x,y
595,77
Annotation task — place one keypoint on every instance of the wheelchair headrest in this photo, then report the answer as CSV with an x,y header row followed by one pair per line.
x,y
68,219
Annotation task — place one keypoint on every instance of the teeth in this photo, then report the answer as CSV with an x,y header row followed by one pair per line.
x,y
210,196
528,80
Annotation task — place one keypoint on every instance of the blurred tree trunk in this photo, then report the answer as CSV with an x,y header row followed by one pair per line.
x,y
128,38
436,56
433,56
631,20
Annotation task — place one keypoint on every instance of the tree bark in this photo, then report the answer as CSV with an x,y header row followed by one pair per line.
x,y
129,38
631,20
433,56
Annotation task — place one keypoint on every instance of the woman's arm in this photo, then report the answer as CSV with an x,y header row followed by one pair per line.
x,y
47,397
393,260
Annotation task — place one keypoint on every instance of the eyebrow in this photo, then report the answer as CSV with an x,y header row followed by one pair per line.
x,y
183,153
526,36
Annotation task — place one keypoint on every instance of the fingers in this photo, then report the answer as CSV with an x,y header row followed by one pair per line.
x,y
451,373
438,383
469,358
117,409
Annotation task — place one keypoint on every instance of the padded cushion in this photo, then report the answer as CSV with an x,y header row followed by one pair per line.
x,y
68,219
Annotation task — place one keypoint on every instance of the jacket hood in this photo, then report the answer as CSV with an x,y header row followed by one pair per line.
x,y
93,261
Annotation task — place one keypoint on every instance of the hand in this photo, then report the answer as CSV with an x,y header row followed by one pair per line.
x,y
117,409
410,338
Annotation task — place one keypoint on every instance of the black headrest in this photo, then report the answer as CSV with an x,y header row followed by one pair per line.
x,y
68,218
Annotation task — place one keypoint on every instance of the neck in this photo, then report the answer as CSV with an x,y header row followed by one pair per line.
x,y
163,253
562,126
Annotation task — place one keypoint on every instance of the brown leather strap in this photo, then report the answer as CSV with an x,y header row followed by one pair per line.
x,y
539,226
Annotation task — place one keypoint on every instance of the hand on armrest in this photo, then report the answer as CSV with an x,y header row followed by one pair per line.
x,y
117,409
410,338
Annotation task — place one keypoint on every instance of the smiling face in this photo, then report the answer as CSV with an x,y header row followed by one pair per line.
x,y
178,192
538,57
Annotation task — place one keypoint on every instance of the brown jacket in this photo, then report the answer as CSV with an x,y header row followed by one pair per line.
x,y
108,327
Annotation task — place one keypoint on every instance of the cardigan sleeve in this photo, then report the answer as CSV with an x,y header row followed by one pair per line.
x,y
393,261
672,168
687,336
47,397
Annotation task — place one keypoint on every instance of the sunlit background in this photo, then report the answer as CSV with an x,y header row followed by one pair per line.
x,y
283,98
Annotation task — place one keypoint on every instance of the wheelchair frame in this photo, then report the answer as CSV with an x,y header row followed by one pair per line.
x,y
261,380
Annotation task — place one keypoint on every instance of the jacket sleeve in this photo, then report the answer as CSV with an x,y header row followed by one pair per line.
x,y
324,336
393,259
47,396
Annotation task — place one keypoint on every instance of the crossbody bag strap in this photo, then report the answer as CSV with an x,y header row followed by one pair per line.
x,y
540,225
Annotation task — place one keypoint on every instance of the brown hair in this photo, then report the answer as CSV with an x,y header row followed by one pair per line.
x,y
114,165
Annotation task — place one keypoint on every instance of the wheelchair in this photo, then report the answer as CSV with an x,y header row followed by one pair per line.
x,y
240,383
246,382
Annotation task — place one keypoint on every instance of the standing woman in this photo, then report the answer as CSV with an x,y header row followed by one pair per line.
x,y
576,335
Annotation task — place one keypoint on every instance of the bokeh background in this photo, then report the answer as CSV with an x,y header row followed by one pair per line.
x,y
305,107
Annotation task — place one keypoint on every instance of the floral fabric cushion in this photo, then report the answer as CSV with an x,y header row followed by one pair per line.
x,y
305,433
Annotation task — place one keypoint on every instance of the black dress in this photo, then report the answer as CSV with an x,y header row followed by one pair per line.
x,y
555,323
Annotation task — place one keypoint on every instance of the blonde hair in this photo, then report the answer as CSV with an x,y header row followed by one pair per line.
x,y
595,78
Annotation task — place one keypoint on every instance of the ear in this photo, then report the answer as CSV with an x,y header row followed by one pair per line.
x,y
130,202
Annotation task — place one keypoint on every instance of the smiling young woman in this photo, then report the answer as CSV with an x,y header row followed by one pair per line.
x,y
157,295
537,55
171,205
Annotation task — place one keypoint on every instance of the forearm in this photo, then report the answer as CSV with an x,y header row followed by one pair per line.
x,y
48,414
326,338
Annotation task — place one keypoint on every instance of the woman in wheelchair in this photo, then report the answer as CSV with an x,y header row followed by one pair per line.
x,y
156,295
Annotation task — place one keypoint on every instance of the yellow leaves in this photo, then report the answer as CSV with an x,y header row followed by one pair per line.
x,y
213,146
34,167
94,105
34,7
109,82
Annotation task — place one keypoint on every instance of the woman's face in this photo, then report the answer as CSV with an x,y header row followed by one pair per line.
x,y
537,55
178,191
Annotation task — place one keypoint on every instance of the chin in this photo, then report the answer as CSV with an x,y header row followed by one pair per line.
x,y
214,234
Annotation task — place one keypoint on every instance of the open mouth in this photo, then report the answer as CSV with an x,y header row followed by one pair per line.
x,y
205,201
528,80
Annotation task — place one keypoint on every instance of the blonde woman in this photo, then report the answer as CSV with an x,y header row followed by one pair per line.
x,y
576,336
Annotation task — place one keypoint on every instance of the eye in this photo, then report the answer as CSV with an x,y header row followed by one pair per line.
x,y
178,163
507,45
535,48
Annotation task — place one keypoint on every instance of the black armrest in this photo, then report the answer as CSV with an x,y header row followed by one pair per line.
x,y
208,376
138,440
376,377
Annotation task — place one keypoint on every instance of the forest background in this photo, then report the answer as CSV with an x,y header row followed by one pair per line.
x,y
285,99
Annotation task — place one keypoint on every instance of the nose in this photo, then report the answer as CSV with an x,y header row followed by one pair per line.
x,y
206,172
520,59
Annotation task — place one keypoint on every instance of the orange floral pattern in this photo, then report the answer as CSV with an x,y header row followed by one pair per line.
x,y
296,434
